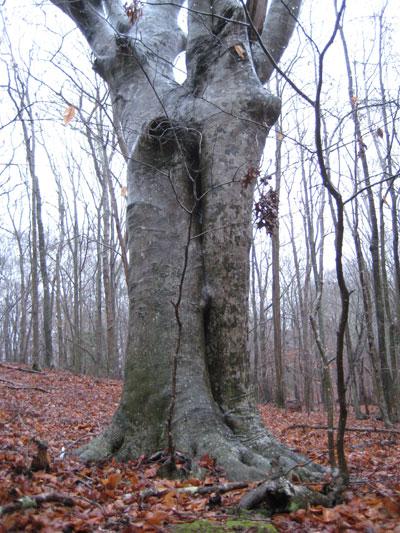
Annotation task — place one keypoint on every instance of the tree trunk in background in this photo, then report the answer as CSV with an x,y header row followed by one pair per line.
x,y
98,147
30,142
47,308
118,227
261,272
21,102
385,370
189,219
276,287
34,284
351,355
303,290
62,353
99,342
74,243
256,320
387,166
368,312
6,323
23,334
108,270
389,322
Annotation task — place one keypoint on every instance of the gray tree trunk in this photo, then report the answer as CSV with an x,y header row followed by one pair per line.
x,y
302,322
62,354
276,285
256,320
20,99
22,337
189,219
379,305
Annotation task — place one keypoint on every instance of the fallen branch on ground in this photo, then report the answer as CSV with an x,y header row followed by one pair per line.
x,y
29,502
206,489
18,386
281,496
360,430
29,370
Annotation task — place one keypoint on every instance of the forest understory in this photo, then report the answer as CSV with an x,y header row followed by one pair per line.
x,y
66,410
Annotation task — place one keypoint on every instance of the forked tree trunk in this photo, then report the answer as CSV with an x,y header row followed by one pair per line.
x,y
189,219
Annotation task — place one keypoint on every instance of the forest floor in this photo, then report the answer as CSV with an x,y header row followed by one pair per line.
x,y
66,410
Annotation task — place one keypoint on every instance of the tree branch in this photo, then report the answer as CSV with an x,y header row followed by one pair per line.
x,y
89,17
278,28
267,55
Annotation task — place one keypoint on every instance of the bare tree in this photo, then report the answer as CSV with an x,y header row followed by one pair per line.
x,y
276,287
376,258
189,217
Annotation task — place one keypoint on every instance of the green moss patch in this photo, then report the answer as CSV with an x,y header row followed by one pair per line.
x,y
231,525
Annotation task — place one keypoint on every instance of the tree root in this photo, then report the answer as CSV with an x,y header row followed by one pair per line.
x,y
241,447
247,426
241,452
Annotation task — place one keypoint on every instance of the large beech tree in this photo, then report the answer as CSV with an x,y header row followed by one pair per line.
x,y
191,150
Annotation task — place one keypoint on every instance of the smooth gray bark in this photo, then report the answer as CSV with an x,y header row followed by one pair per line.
x,y
22,326
189,218
276,287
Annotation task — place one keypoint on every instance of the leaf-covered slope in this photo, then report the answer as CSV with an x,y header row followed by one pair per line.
x,y
65,410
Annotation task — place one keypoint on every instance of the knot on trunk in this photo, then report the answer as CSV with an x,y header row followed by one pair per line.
x,y
173,136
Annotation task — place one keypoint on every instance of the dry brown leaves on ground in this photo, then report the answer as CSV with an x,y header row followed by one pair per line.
x,y
65,411
372,503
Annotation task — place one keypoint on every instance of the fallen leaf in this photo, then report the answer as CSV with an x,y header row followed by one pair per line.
x,y
156,518
330,515
170,499
112,481
206,461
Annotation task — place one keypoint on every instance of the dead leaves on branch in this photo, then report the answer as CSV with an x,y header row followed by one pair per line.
x,y
133,11
266,210
250,177
266,207
69,114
